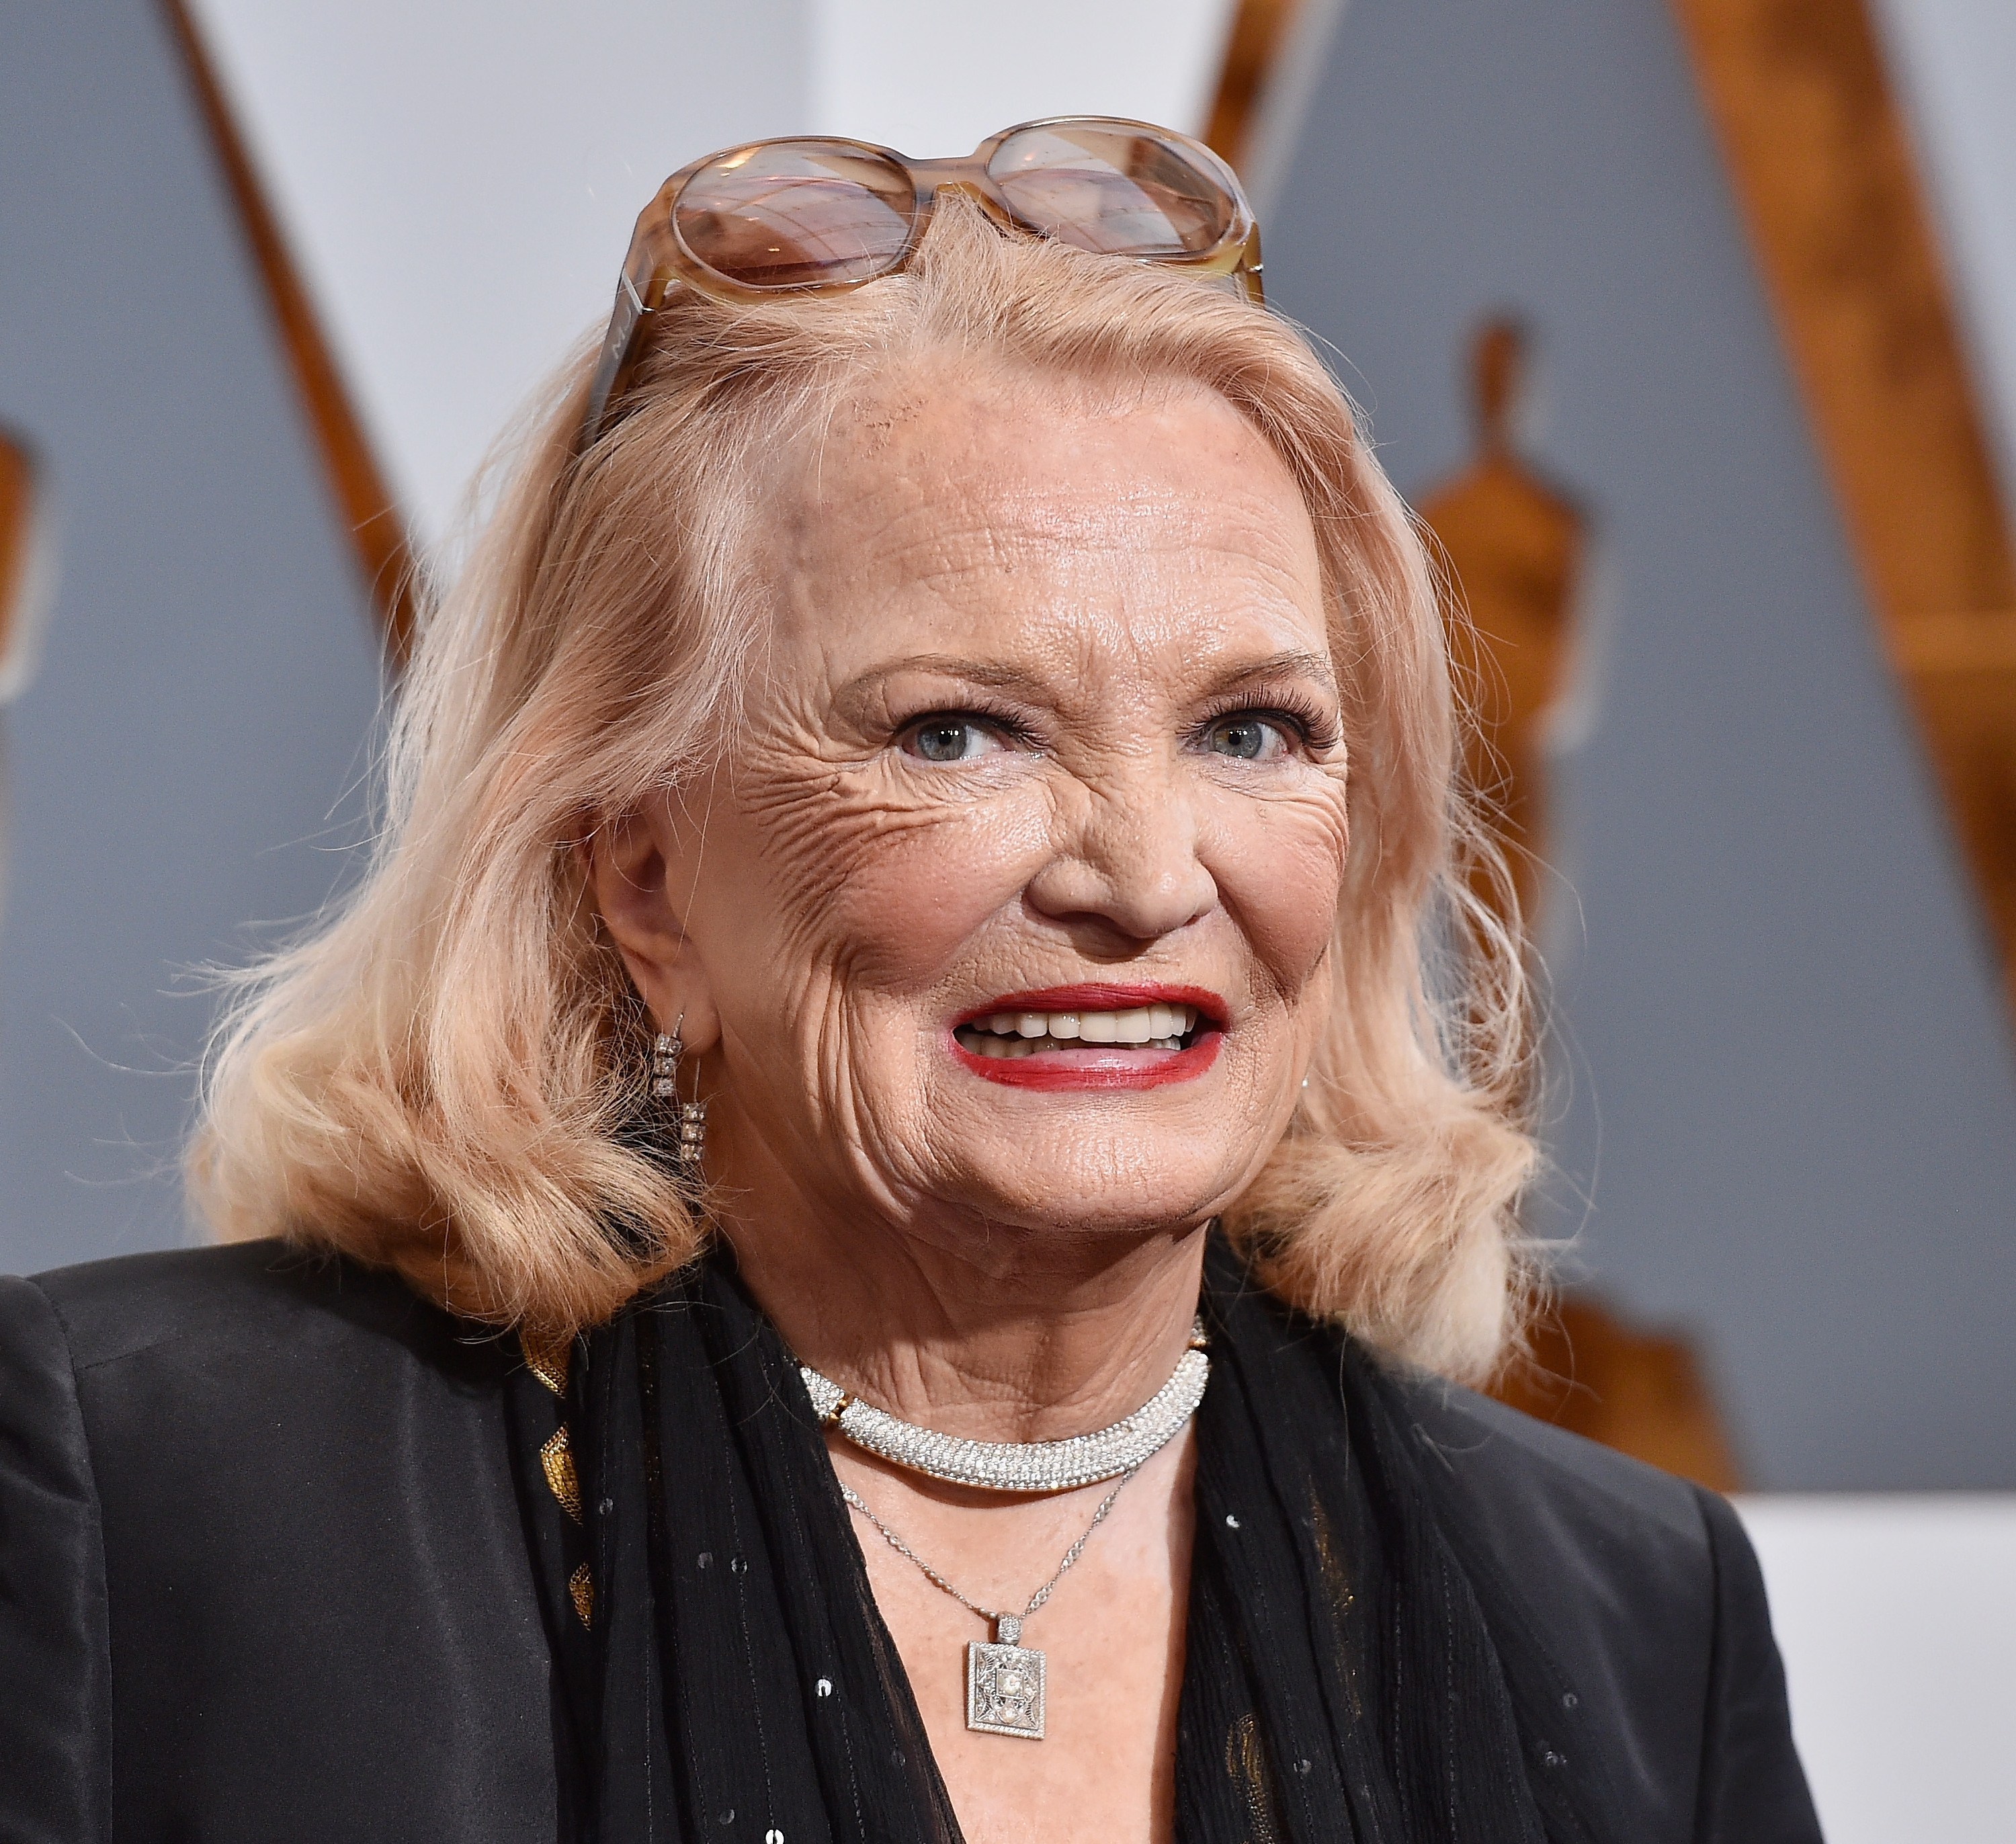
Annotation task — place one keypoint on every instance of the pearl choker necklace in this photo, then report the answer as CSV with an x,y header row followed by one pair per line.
x,y
1021,1465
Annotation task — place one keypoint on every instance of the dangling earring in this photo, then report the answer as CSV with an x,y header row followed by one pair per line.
x,y
689,1116
665,1056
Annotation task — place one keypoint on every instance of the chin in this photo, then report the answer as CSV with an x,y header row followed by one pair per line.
x,y
1083,1181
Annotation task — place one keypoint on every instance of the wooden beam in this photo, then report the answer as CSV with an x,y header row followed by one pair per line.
x,y
1821,167
1258,35
377,530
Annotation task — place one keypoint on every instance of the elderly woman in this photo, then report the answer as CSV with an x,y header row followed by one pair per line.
x,y
867,1226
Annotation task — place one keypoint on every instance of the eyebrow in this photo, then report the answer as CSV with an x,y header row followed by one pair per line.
x,y
950,666
1294,663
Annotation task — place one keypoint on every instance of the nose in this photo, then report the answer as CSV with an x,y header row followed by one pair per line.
x,y
1131,864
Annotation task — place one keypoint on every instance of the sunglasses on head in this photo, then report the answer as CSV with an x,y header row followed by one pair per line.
x,y
814,213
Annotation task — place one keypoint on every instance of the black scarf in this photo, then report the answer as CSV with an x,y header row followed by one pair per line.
x,y
1355,1670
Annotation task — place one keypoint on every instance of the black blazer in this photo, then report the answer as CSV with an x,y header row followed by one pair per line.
x,y
263,1576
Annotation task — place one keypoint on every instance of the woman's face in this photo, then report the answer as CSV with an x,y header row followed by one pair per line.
x,y
1011,900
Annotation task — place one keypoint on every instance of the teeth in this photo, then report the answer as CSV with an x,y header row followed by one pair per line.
x,y
1024,1034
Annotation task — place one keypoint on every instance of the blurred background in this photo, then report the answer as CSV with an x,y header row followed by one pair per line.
x,y
1689,325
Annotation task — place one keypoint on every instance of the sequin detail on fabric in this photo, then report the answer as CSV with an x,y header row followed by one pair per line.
x,y
556,1457
547,1355
550,1357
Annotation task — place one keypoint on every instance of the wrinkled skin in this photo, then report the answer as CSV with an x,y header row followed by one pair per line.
x,y
1047,699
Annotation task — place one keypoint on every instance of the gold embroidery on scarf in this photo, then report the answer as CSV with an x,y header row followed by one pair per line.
x,y
1338,1595
547,1355
557,1458
1329,1561
1246,1761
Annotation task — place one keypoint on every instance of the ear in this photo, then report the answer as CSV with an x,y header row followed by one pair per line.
x,y
629,874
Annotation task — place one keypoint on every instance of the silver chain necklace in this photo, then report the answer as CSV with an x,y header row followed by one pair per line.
x,y
1021,1465
1004,1680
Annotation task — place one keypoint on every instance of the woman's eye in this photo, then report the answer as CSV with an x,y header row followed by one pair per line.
x,y
1246,737
950,739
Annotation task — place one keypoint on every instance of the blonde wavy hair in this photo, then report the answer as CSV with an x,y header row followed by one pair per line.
x,y
443,1078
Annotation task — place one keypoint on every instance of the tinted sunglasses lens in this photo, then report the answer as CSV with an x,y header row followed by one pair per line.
x,y
788,213
1120,191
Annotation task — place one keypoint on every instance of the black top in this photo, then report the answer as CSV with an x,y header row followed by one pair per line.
x,y
264,1572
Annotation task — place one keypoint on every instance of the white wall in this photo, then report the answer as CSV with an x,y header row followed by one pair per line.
x,y
458,179
1954,63
936,77
1897,1618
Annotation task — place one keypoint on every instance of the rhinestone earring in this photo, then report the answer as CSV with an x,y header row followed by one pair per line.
x,y
690,1116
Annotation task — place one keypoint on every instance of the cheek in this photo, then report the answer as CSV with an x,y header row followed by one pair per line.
x,y
1279,863
923,888
879,890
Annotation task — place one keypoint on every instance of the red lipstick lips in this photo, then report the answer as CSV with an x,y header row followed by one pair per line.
x,y
1096,1066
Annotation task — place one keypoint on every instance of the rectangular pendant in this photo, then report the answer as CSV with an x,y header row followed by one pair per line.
x,y
1004,1690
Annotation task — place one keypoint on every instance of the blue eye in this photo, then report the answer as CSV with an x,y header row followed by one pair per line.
x,y
1246,737
950,739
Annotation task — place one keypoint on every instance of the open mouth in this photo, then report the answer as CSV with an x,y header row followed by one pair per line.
x,y
1093,1036
1038,1034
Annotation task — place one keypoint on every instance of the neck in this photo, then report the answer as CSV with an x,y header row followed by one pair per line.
x,y
994,1333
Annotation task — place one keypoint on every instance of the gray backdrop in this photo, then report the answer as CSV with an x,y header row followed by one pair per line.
x,y
1786,1111
210,675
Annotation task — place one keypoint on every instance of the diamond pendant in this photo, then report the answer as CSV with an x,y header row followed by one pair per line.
x,y
1004,1684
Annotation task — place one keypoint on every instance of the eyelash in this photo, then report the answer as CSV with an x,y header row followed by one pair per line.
x,y
1012,727
1311,725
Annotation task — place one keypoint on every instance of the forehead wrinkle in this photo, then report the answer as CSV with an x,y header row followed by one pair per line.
x,y
1006,524
1016,500
907,520
964,567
